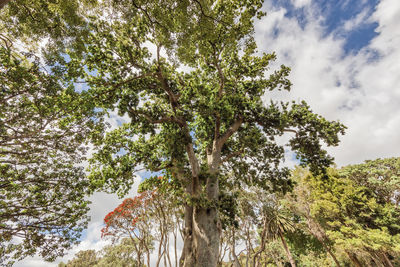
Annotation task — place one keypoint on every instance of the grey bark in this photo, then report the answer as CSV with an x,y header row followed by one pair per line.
x,y
201,242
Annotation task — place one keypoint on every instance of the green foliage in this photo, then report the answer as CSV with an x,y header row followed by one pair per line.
x,y
84,258
43,127
122,254
355,210
222,86
62,23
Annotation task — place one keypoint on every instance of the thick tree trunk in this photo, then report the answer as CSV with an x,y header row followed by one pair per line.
x,y
187,256
201,248
289,254
206,235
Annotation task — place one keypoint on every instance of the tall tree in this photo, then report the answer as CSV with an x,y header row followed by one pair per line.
x,y
195,100
43,126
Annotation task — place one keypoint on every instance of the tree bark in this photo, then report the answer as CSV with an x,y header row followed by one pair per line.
x,y
236,262
386,259
354,259
289,254
317,231
201,248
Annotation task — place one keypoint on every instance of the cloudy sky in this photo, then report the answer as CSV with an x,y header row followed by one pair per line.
x,y
345,60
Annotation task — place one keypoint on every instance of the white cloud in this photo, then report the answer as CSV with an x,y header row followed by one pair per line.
x,y
360,90
358,20
301,3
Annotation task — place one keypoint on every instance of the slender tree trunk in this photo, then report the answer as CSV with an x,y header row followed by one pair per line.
x,y
314,226
160,252
386,259
330,253
236,262
354,259
289,254
175,234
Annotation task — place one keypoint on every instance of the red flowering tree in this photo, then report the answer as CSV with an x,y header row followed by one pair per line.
x,y
131,219
150,216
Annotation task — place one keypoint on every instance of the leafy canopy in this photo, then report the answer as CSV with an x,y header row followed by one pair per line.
x,y
192,77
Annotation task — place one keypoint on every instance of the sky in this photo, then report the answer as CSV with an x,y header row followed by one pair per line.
x,y
345,61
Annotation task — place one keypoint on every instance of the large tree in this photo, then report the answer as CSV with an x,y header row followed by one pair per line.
x,y
44,123
43,126
188,75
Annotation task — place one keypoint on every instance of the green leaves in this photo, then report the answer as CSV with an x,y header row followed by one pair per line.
x,y
43,127
355,215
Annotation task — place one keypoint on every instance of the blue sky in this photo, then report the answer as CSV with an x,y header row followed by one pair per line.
x,y
345,61
336,14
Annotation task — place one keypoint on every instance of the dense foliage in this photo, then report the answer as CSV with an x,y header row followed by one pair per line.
x,y
44,124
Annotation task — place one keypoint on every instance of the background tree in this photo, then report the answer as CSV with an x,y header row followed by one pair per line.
x,y
84,258
131,220
122,254
201,123
43,126
351,213
152,216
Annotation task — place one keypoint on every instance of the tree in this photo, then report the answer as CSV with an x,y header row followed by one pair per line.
x,y
131,220
43,127
84,258
150,216
352,212
122,254
198,124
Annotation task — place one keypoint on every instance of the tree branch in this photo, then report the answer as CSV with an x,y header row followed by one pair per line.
x,y
234,127
233,154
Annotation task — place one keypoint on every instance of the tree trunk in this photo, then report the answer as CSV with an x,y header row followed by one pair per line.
x,y
187,256
232,244
317,231
205,225
330,253
386,259
289,254
206,236
354,259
